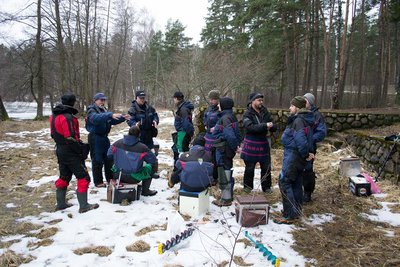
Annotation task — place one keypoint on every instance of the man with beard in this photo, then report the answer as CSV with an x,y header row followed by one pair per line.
x,y
257,122
297,147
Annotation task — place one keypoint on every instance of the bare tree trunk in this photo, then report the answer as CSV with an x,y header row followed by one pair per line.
x,y
343,57
306,66
86,78
379,69
3,111
295,56
316,55
362,55
335,89
386,56
60,46
397,84
327,34
39,62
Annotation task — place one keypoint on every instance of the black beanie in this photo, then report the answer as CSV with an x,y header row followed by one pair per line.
x,y
199,140
298,101
253,96
68,99
226,103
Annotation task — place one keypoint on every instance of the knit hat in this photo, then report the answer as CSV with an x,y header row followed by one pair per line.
x,y
298,101
140,93
310,98
99,96
226,103
68,99
253,96
178,95
213,94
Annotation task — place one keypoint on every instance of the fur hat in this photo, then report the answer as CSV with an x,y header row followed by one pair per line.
x,y
68,99
213,94
226,103
298,101
310,98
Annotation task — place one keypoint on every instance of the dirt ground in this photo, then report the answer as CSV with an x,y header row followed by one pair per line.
x,y
348,240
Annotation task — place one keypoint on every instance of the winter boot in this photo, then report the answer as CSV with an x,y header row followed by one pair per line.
x,y
84,206
225,184
97,170
146,188
61,202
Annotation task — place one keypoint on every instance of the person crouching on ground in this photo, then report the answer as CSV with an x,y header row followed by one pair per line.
x,y
128,155
64,128
297,145
194,169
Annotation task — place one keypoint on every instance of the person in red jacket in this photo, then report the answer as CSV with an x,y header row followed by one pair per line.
x,y
64,128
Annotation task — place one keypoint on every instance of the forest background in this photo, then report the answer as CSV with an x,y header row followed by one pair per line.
x,y
345,52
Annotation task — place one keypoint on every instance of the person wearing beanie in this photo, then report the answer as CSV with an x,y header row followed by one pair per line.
x,y
227,135
319,134
183,125
297,150
64,129
194,169
258,124
98,123
143,115
211,116
133,161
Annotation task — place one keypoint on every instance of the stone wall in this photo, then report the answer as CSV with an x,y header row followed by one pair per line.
x,y
375,151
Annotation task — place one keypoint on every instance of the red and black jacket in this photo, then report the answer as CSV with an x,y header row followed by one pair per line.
x,y
64,126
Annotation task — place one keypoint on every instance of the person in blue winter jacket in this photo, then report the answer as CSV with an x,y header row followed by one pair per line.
x,y
319,134
183,125
297,150
227,141
98,123
134,161
194,169
210,118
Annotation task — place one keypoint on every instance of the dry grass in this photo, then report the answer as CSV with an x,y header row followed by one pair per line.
x,y
10,259
45,233
240,261
138,246
40,243
102,251
153,227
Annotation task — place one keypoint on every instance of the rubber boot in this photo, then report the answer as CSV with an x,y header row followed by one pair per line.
x,y
146,188
60,197
307,197
84,206
224,177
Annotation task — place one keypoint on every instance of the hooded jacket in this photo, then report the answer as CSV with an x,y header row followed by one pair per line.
x,y
66,124
297,143
183,118
129,154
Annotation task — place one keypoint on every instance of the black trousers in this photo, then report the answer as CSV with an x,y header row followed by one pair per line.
x,y
69,162
248,179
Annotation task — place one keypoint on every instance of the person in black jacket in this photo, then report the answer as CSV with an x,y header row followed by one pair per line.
x,y
258,123
64,128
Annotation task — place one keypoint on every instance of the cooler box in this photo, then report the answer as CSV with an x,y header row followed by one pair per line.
x,y
130,192
359,186
349,167
193,203
251,210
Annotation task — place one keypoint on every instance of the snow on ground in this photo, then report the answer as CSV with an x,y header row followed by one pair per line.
x,y
384,214
25,110
114,226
